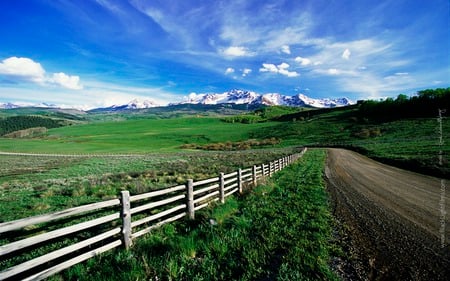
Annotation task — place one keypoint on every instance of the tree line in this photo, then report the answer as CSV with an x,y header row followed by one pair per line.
x,y
17,123
425,104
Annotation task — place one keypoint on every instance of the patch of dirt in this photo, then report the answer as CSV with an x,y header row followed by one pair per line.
x,y
391,223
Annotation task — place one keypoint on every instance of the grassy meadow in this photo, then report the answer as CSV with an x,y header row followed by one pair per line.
x,y
279,231
133,136
287,219
155,156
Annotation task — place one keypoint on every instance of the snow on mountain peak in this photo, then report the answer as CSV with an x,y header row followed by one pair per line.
x,y
234,96
247,97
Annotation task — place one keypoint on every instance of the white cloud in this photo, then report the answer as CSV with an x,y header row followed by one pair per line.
x,y
235,51
229,70
333,71
269,67
281,69
289,73
283,66
346,54
25,69
286,49
67,81
303,61
246,71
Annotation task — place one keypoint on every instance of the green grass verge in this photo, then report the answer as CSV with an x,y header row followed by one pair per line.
x,y
280,231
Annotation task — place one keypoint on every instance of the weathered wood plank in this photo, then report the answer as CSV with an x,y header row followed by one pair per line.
x,y
10,272
14,246
246,170
202,206
231,192
148,229
209,195
57,268
203,182
158,215
230,181
152,205
230,187
18,224
208,188
156,193
226,176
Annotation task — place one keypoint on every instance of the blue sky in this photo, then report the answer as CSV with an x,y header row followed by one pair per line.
x,y
102,52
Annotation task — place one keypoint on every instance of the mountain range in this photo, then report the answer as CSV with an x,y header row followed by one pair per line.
x,y
248,97
232,97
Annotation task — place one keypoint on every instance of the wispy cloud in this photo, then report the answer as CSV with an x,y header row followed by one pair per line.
x,y
286,49
346,54
235,51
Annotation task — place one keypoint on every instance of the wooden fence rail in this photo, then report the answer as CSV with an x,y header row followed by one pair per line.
x,y
113,223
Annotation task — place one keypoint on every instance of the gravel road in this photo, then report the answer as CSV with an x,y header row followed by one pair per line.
x,y
392,224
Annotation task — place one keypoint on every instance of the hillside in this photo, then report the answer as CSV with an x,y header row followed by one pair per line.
x,y
404,132
411,138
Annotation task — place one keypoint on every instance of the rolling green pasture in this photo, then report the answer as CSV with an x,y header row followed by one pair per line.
x,y
279,231
408,143
134,136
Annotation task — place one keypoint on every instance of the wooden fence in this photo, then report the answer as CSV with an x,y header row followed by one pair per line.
x,y
92,229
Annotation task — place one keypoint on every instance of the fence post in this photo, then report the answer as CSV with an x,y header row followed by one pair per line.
x,y
221,188
190,199
126,218
254,175
239,179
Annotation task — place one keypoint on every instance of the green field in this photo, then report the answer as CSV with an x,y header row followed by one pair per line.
x,y
279,231
134,136
101,154
155,158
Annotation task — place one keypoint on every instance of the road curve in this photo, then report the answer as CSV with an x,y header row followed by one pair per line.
x,y
393,221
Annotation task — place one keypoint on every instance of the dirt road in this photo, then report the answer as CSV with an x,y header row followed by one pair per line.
x,y
393,224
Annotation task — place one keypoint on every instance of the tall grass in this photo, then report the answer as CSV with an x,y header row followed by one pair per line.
x,y
280,231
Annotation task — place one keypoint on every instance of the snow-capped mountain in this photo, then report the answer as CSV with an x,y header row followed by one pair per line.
x,y
247,97
233,96
8,105
140,104
134,104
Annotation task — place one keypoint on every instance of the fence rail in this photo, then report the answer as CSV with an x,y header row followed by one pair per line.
x,y
116,222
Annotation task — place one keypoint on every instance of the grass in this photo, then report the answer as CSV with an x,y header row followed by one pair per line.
x,y
408,143
280,231
31,185
133,136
